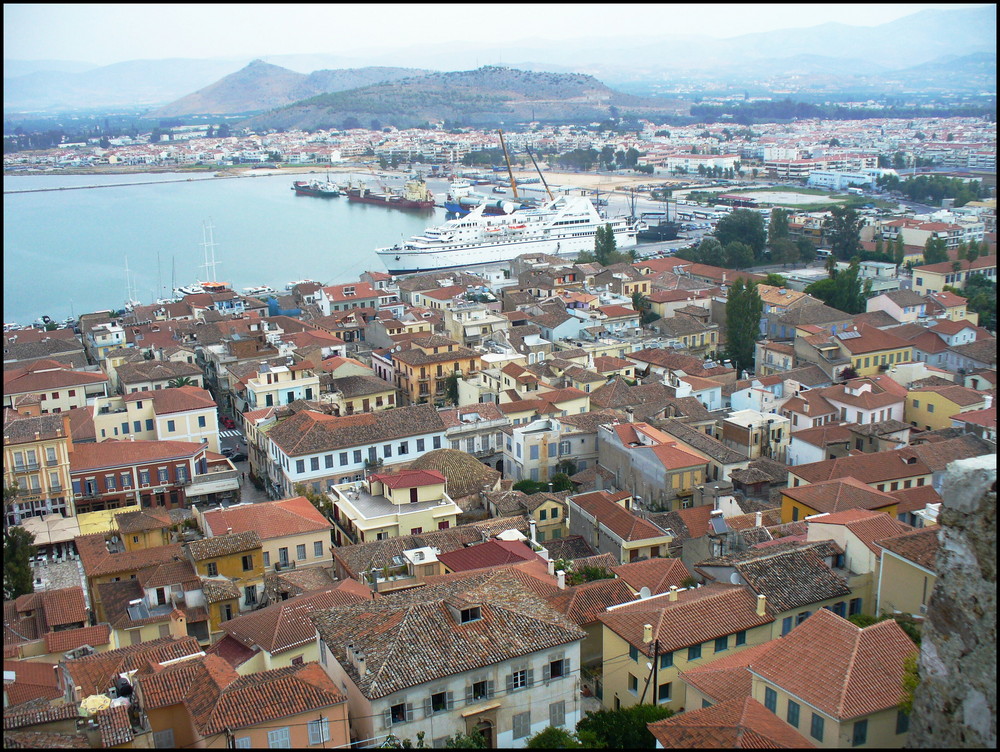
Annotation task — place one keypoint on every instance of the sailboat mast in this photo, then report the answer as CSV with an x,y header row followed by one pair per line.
x,y
209,245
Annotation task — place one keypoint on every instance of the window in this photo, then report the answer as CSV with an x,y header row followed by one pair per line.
x,y
519,679
522,724
554,513
267,558
247,562
250,594
854,607
201,421
902,722
437,442
317,548
357,456
225,612
162,475
300,466
557,669
694,652
144,477
404,447
439,702
171,426
793,713
770,699
542,515
663,692
387,450
319,731
557,713
741,637
300,552
633,685
801,617
279,738
398,713
930,407
482,690
164,630
343,458
860,734
633,652
816,727
666,660
420,445
721,644
471,614
314,463
213,569
283,555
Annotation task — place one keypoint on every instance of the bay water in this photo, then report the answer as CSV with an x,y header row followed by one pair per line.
x,y
65,250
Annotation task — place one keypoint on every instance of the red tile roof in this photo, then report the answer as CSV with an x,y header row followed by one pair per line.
x,y
70,639
176,399
656,574
32,680
728,677
698,615
409,478
493,553
867,468
919,546
115,453
234,652
582,604
739,723
623,523
839,494
272,519
852,671
98,561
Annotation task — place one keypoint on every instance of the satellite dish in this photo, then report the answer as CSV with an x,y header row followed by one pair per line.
x,y
644,592
735,578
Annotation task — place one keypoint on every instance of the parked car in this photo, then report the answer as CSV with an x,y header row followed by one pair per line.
x,y
238,457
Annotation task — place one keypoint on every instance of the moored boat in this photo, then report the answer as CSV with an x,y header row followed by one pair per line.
x,y
258,290
322,189
415,196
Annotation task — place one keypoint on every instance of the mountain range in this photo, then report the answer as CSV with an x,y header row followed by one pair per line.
x,y
889,57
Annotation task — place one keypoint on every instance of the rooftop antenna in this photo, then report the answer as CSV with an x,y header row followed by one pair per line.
x,y
209,244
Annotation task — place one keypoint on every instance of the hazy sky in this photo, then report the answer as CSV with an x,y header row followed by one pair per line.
x,y
104,34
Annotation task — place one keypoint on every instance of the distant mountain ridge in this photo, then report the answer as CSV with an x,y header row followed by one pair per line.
x,y
263,86
484,96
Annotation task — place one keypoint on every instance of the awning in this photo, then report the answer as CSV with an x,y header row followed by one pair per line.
x,y
483,709
213,486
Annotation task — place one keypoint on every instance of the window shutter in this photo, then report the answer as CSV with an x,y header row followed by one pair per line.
x,y
510,683
468,694
428,707
531,677
490,688
546,672
409,711
451,700
567,668
387,718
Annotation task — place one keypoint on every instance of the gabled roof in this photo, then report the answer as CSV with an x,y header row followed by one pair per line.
x,y
97,560
414,637
115,453
271,519
493,553
95,673
841,493
623,523
32,680
656,574
582,604
866,468
867,526
919,546
223,545
728,677
310,432
791,579
176,399
852,671
698,615
738,723
70,639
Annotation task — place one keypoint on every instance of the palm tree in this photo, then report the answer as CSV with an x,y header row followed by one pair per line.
x,y
180,381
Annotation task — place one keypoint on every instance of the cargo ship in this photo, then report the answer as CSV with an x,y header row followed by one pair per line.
x,y
415,195
564,226
322,189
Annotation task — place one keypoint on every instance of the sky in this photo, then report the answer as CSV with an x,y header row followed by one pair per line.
x,y
102,34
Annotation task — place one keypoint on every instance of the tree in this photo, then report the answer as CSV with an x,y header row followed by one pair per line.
x,y
898,250
553,738
743,226
879,245
843,230
180,381
18,548
972,253
935,251
777,227
738,255
606,247
318,500
451,387
621,729
784,251
911,680
807,251
710,252
844,290
743,311
775,280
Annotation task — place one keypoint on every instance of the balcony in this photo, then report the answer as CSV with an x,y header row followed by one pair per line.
x,y
26,467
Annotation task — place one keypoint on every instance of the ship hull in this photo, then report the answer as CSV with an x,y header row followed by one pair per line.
x,y
307,190
391,203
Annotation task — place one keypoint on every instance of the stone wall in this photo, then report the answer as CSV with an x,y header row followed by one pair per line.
x,y
955,704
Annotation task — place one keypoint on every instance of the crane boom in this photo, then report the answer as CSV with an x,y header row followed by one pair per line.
x,y
506,156
539,169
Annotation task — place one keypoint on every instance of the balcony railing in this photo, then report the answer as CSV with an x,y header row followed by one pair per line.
x,y
26,467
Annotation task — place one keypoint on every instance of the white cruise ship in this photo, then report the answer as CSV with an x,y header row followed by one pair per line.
x,y
563,227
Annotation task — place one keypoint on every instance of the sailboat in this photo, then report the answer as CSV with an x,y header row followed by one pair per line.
x,y
130,301
208,243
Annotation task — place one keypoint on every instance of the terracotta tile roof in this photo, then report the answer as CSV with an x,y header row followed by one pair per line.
x,y
176,572
413,478
63,606
725,678
414,637
114,453
868,526
492,553
698,615
176,399
685,523
32,680
142,520
656,574
155,370
46,375
223,545
866,468
310,432
272,519
45,740
843,493
601,561
790,579
852,671
21,430
69,639
582,604
626,525
983,262
34,713
571,547
234,652
285,625
94,673
739,723
114,726
919,546
939,454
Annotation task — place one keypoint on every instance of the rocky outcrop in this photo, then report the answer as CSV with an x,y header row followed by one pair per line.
x,y
955,704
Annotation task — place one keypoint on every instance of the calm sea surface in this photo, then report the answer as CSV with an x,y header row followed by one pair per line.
x,y
65,251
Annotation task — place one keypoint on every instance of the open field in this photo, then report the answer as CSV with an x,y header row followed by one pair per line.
x,y
791,198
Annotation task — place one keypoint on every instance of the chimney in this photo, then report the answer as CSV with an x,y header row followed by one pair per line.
x,y
758,519
229,531
647,632
552,567
629,415
359,659
561,579
531,532
673,593
761,602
